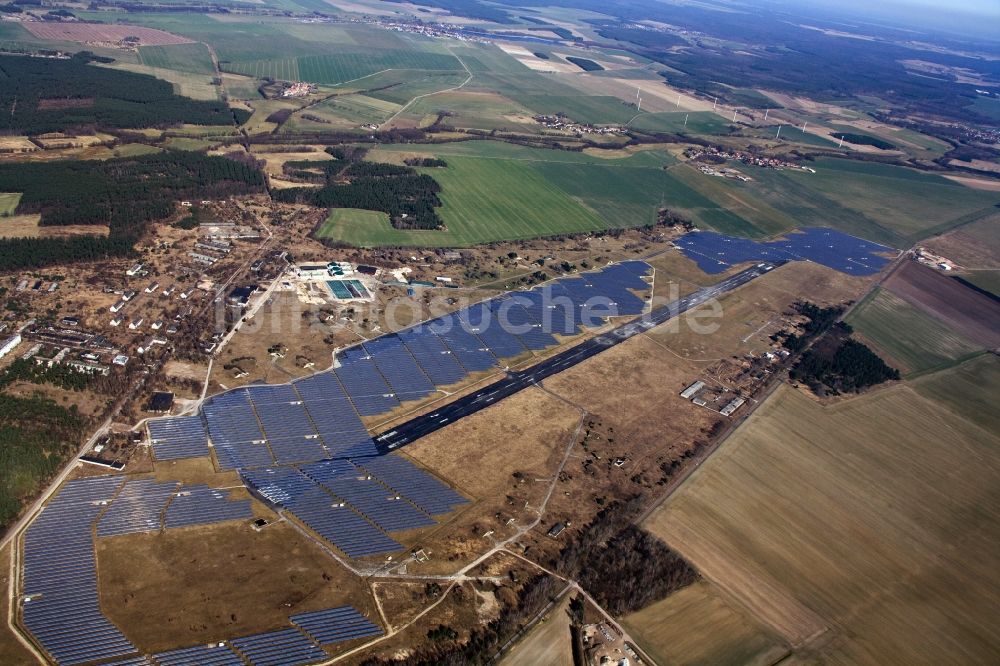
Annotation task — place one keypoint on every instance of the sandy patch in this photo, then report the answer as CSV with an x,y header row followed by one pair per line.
x,y
978,183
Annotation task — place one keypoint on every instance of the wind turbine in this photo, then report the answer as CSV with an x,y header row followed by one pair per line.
x,y
804,127
841,141
686,119
678,100
715,103
765,114
734,115
778,133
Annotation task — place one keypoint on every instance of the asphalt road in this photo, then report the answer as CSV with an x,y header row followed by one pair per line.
x,y
515,381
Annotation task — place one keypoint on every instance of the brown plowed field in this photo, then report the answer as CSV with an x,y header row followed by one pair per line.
x,y
970,313
99,32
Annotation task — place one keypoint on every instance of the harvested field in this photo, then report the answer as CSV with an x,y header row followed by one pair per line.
x,y
696,625
865,531
101,32
974,315
247,582
969,390
16,144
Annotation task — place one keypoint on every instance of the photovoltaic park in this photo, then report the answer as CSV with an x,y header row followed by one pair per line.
x,y
304,450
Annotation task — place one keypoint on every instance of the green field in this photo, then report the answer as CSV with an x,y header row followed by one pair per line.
x,y
908,335
342,67
401,85
8,203
887,204
342,112
181,57
698,122
494,191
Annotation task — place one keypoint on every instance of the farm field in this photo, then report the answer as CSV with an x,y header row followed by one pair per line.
x,y
974,247
342,67
968,312
908,336
547,643
86,32
968,389
696,625
864,531
180,57
698,122
468,109
498,191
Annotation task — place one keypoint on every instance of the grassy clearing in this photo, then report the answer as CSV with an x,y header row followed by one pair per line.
x,y
181,57
909,336
8,203
547,643
477,110
862,532
697,626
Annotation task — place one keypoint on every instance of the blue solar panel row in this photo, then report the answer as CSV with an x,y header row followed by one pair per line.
x,y
137,508
199,655
334,625
329,517
333,416
135,661
399,368
437,361
178,437
235,433
364,383
61,608
285,647
290,433
424,490
714,253
200,505
379,504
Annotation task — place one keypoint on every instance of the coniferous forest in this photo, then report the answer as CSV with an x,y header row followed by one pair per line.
x,y
47,95
123,194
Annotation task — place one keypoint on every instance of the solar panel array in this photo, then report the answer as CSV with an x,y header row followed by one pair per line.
x,y
334,625
373,500
290,433
421,488
235,432
60,576
178,437
335,420
135,661
334,520
285,647
199,655
137,508
200,505
714,253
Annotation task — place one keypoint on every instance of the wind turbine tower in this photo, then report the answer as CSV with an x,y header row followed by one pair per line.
x,y
778,134
841,141
765,114
686,119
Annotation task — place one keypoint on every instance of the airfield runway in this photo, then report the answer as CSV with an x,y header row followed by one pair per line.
x,y
515,381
